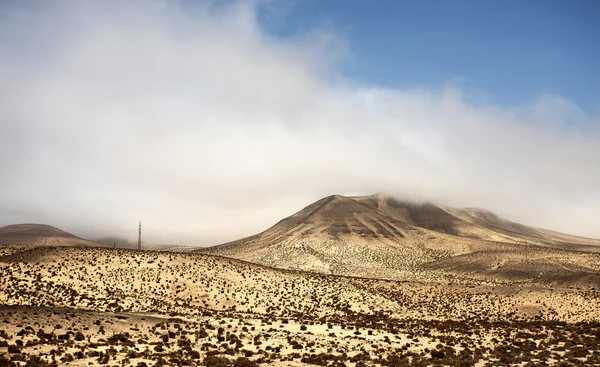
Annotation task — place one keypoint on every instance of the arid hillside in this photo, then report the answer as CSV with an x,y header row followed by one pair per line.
x,y
78,306
41,235
381,237
389,283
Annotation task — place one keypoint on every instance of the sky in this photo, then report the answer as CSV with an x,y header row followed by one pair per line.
x,y
541,46
211,121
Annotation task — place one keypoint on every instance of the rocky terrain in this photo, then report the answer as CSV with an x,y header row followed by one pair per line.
x,y
363,281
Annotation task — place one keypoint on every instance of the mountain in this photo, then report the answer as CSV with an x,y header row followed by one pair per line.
x,y
41,235
380,236
474,223
335,235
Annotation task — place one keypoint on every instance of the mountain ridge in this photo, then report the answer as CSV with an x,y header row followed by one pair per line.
x,y
380,236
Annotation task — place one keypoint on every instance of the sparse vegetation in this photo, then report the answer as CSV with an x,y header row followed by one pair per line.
x,y
190,309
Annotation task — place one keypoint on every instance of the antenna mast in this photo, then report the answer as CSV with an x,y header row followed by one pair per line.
x,y
140,236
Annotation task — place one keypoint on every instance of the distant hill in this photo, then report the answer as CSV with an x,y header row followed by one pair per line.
x,y
380,236
171,248
123,243
41,235
119,242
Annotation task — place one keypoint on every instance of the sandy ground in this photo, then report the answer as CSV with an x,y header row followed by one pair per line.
x,y
86,306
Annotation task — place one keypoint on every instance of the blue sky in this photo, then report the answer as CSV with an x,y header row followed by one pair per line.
x,y
512,51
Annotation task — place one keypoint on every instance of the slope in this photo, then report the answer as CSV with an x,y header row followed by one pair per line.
x,y
40,235
341,235
379,236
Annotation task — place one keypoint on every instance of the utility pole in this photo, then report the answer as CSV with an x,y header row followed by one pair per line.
x,y
140,236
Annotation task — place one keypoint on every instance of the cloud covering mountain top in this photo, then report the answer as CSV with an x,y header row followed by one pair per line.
x,y
194,119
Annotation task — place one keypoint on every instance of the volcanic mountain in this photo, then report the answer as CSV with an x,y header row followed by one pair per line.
x,y
41,235
380,236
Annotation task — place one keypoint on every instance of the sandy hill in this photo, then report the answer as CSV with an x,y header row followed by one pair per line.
x,y
379,236
191,283
145,308
40,235
336,235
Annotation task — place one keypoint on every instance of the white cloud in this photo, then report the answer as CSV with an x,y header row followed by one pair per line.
x,y
194,120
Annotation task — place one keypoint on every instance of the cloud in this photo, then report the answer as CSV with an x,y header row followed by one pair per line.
x,y
194,119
